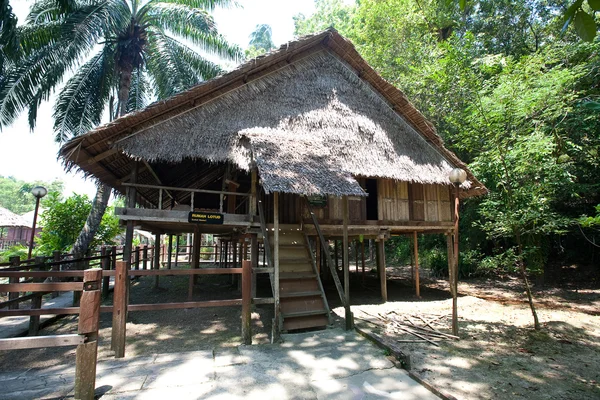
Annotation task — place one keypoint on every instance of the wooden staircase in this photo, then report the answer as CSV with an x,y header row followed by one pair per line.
x,y
302,301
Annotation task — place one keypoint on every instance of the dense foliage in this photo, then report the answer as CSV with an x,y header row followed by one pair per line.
x,y
15,195
515,97
63,220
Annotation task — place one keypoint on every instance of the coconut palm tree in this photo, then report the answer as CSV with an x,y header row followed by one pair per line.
x,y
121,53
262,38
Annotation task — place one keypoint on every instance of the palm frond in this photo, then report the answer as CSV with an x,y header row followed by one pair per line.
x,y
202,4
139,92
34,77
192,24
8,32
81,102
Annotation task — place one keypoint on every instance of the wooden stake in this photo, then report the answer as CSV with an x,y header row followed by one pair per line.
x,y
156,257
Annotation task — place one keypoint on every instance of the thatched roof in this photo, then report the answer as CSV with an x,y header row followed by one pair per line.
x,y
10,219
310,116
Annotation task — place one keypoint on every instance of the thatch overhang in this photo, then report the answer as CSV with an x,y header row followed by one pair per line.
x,y
312,115
10,219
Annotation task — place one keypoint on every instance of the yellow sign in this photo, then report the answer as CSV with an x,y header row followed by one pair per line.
x,y
201,217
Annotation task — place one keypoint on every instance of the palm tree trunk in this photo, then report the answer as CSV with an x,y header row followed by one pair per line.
x,y
100,202
93,220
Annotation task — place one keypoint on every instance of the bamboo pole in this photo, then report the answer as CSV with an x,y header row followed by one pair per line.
x,y
346,266
277,316
416,251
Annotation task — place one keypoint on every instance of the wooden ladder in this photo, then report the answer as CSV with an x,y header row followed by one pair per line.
x,y
302,298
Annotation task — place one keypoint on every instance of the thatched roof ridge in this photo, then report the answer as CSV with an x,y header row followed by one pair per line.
x,y
10,219
97,151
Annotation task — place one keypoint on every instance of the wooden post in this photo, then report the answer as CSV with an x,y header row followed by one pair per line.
x,y
36,301
176,250
120,300
346,266
277,316
380,255
335,249
247,302
416,251
253,260
156,265
105,263
170,251
87,353
144,257
362,256
318,251
56,268
78,266
451,281
15,261
252,199
455,271
195,261
113,255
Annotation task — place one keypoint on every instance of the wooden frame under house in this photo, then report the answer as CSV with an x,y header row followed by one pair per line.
x,y
292,149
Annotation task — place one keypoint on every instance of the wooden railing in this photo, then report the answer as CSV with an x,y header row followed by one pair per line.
x,y
86,338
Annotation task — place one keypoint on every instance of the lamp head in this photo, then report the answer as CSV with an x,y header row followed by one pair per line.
x,y
458,176
39,192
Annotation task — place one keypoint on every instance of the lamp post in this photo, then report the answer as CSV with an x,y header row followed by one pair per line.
x,y
38,192
457,177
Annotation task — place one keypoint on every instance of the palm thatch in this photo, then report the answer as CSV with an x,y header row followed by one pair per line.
x,y
311,116
10,219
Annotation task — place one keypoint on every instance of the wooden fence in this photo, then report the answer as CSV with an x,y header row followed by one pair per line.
x,y
86,338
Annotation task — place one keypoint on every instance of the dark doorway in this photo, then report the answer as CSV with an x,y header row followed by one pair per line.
x,y
371,188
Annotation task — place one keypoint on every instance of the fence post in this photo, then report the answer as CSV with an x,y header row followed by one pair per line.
x,y
78,266
247,302
87,353
55,267
36,301
15,261
119,328
105,262
113,253
136,257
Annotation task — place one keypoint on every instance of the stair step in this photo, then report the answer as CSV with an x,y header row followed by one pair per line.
x,y
296,275
300,294
310,322
304,313
295,260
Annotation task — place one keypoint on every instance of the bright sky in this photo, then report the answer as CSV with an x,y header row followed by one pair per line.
x,y
32,155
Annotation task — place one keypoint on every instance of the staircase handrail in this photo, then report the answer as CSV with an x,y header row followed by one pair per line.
x,y
336,278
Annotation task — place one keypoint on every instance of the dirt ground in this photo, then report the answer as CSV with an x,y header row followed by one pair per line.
x,y
498,355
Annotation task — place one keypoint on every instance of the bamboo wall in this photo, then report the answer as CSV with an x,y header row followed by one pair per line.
x,y
396,202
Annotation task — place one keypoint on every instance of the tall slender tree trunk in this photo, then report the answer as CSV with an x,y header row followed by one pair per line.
x,y
100,202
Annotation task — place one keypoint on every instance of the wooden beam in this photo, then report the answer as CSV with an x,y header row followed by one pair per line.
x,y
346,266
206,191
184,305
102,156
253,192
200,271
41,287
120,300
36,342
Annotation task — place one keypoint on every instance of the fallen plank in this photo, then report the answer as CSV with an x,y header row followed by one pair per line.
x,y
34,342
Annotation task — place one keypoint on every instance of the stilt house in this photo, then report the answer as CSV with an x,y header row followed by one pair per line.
x,y
292,149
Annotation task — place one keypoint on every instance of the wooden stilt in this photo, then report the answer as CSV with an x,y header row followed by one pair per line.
x,y
254,260
156,257
195,261
362,255
277,317
170,251
380,254
176,250
335,249
451,281
247,302
416,255
346,266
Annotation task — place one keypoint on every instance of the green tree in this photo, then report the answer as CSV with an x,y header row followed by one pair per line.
x,y
328,13
63,220
15,195
122,52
